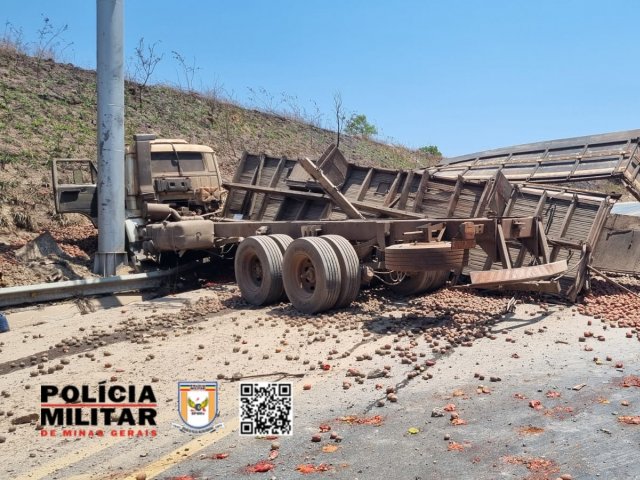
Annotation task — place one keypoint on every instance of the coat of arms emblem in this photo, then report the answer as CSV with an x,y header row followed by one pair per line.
x,y
198,403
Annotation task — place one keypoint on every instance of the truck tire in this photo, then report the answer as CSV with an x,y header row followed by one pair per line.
x,y
436,280
282,240
416,283
412,284
349,269
258,270
311,275
431,256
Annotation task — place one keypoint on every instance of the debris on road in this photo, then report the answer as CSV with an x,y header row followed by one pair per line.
x,y
219,456
375,420
260,467
455,446
530,430
541,465
536,404
630,420
310,468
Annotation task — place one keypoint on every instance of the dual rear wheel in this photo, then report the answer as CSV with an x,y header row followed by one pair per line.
x,y
320,273
315,273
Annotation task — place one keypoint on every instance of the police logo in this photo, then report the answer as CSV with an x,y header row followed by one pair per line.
x,y
198,404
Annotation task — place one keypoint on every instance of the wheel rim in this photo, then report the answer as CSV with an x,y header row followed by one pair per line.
x,y
256,273
306,273
311,275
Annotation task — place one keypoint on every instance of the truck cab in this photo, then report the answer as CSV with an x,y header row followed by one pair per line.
x,y
166,171
169,171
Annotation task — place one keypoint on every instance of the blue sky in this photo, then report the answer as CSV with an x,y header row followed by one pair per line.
x,y
463,75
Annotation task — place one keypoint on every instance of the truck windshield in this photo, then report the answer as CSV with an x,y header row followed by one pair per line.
x,y
167,162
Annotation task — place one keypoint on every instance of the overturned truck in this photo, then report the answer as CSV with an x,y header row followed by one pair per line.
x,y
314,232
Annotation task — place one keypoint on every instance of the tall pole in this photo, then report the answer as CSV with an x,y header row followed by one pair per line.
x,y
110,69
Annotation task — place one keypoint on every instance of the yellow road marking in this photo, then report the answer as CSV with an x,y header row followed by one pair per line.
x,y
153,469
199,443
168,461
47,470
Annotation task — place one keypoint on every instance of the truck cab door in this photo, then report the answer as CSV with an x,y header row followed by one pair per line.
x,y
75,187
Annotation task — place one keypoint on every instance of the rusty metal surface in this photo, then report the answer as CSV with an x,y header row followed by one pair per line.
x,y
517,275
618,247
571,219
613,155
572,223
386,230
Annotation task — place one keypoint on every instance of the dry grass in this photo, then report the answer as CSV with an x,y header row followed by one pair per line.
x,y
48,110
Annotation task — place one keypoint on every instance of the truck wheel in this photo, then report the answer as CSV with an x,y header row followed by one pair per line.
x,y
415,283
433,256
349,269
311,275
412,284
282,240
436,280
258,270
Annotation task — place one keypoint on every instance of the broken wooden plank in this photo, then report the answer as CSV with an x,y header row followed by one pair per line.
x,y
345,205
517,275
550,287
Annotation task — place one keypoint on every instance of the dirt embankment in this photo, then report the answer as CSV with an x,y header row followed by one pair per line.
x,y
48,110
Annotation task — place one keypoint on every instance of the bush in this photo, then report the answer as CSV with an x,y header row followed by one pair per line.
x,y
431,150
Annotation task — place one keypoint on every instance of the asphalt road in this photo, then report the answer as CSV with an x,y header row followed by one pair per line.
x,y
574,432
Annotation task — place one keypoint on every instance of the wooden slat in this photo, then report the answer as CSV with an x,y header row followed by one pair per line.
x,y
420,192
393,190
365,184
454,198
564,226
505,257
517,275
406,189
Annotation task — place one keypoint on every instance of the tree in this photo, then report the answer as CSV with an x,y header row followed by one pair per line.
x,y
359,126
431,150
145,62
340,115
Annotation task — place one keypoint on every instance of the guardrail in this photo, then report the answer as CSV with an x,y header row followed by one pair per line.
x,y
44,292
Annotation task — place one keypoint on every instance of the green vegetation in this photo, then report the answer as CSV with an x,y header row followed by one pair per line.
x,y
359,126
431,150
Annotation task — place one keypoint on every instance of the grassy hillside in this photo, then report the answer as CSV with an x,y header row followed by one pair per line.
x,y
48,110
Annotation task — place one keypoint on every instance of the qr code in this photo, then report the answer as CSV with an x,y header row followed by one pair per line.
x,y
265,408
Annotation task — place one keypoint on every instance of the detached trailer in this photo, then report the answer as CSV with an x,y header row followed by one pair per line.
x,y
319,265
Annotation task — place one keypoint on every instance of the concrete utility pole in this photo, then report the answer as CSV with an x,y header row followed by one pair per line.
x,y
110,69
